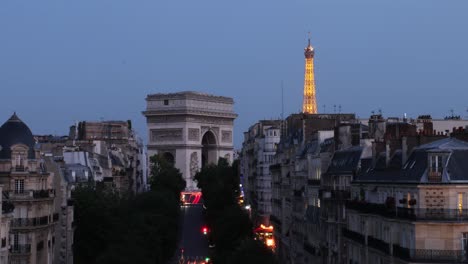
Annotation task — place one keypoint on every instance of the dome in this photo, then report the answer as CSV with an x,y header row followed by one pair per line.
x,y
14,131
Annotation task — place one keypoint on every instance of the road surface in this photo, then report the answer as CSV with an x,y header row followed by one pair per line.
x,y
192,240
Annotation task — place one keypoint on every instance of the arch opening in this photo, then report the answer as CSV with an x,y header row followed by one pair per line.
x,y
209,149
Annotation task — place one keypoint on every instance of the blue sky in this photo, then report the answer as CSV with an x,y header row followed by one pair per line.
x,y
63,60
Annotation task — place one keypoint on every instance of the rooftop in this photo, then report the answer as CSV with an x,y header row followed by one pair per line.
x,y
189,95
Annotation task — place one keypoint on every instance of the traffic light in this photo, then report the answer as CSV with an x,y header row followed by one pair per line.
x,y
207,260
205,230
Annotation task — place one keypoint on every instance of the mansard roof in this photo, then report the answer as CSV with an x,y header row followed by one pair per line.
x,y
345,161
415,168
445,144
13,132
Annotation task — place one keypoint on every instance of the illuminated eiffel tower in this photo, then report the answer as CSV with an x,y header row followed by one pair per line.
x,y
309,104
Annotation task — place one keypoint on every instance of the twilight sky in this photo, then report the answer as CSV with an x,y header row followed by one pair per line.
x,y
63,60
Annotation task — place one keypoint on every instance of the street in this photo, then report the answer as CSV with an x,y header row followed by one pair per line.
x,y
192,241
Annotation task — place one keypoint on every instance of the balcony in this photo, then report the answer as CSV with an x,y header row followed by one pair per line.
x,y
430,255
18,168
313,182
434,176
21,249
412,214
32,222
336,194
29,194
355,236
378,244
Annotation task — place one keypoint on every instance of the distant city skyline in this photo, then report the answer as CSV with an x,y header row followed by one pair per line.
x,y
61,62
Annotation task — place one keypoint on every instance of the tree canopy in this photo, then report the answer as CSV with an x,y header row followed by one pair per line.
x,y
231,227
124,229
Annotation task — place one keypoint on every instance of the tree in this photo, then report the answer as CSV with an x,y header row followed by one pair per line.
x,y
94,214
231,226
129,229
165,177
252,252
219,185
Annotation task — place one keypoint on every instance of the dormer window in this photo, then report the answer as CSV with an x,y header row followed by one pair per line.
x,y
436,167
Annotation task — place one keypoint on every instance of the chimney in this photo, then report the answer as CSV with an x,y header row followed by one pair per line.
x,y
404,150
428,128
387,154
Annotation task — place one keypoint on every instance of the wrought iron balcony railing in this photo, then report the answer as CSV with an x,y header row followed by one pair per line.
x,y
430,255
378,244
21,249
355,236
414,214
33,222
313,182
29,194
19,168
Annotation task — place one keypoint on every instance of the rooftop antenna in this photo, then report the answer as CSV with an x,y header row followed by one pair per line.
x,y
339,109
324,109
282,100
334,108
76,133
380,111
452,112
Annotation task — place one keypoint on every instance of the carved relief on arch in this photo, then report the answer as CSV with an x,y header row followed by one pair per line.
x,y
193,164
194,134
226,136
228,157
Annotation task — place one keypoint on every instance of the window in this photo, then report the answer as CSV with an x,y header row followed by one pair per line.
x,y
166,102
15,240
435,168
460,201
19,186
436,163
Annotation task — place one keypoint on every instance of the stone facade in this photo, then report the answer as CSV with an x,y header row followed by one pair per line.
x,y
191,129
258,151
28,185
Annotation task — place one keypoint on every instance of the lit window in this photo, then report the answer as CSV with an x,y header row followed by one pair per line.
x,y
460,201
436,163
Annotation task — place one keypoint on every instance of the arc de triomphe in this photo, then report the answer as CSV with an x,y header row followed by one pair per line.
x,y
190,129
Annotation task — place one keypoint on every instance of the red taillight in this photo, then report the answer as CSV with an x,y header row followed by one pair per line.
x,y
205,230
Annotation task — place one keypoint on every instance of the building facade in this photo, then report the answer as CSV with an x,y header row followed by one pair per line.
x,y
412,213
258,151
345,192
28,186
190,129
